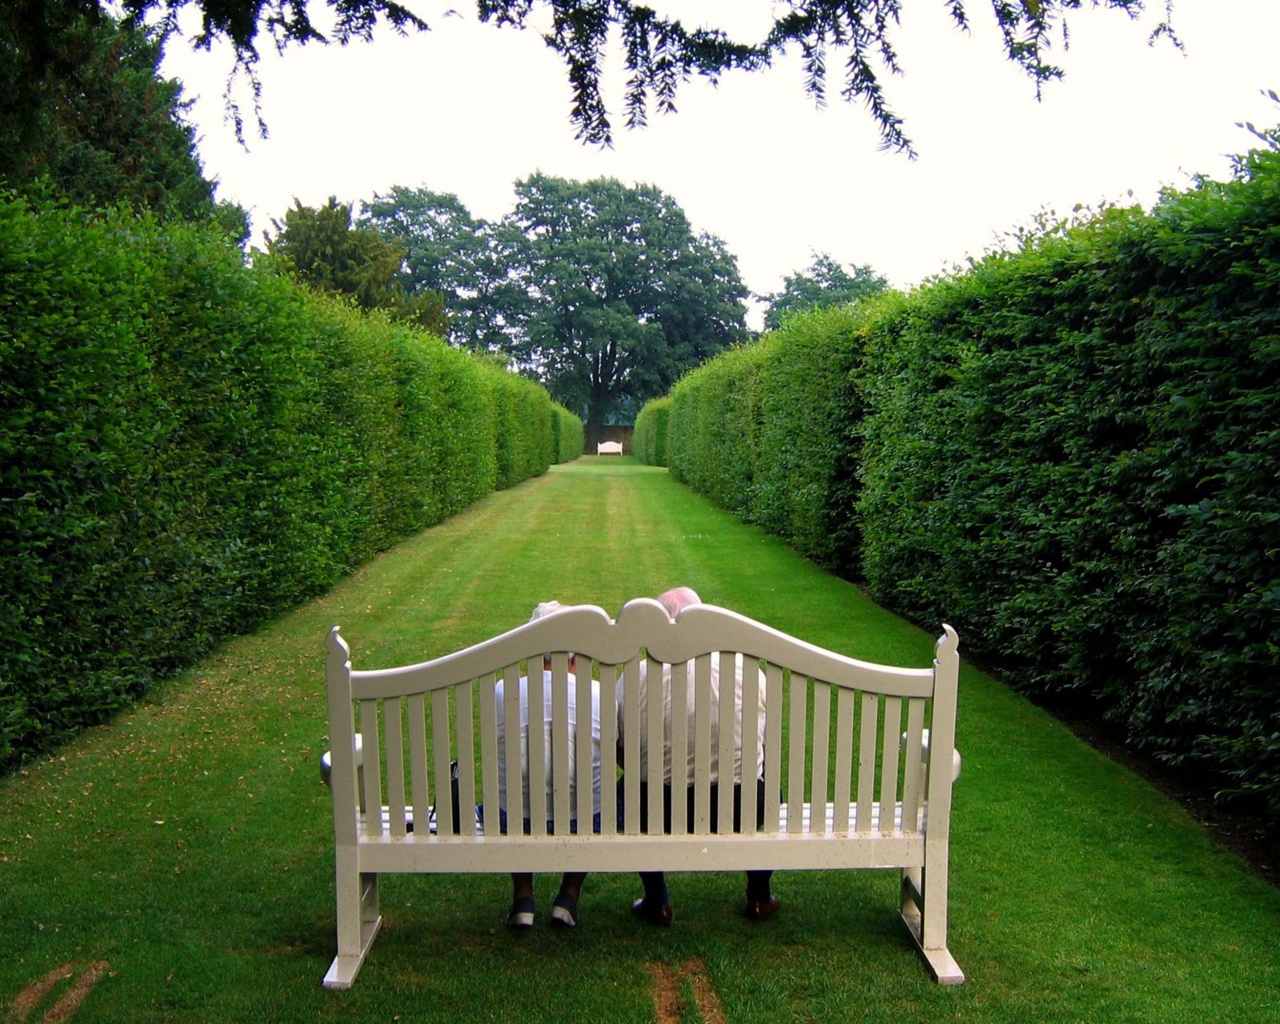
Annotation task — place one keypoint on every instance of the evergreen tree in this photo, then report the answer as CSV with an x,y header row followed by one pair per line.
x,y
327,252
103,127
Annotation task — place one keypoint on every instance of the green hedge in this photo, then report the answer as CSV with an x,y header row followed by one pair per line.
x,y
650,438
188,445
567,432
771,432
1070,452
717,408
806,480
1079,462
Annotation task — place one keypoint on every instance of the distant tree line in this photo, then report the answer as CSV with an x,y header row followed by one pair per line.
x,y
602,291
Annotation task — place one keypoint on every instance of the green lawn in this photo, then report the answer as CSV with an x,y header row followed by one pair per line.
x,y
185,848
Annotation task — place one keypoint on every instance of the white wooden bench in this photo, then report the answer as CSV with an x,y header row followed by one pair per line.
x,y
877,756
609,448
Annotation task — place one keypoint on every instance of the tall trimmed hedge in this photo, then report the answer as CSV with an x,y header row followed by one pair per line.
x,y
717,408
771,432
567,434
1070,452
650,437
188,446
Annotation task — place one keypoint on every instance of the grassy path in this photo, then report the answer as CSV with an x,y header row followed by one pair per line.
x,y
176,864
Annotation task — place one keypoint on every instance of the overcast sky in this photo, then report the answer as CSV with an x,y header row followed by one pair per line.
x,y
469,109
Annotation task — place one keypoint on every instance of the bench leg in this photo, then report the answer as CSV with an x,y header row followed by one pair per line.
x,y
358,920
925,915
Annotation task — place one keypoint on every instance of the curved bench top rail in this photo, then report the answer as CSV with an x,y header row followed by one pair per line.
x,y
588,631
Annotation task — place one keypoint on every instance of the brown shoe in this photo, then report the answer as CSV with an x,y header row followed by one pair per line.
x,y
659,914
762,910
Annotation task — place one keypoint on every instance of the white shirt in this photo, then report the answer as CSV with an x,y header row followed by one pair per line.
x,y
546,743
689,714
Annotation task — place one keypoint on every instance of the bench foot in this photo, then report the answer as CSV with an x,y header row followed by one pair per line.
x,y
342,972
942,965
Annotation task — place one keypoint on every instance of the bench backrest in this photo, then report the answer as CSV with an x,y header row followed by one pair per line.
x,y
609,448
837,730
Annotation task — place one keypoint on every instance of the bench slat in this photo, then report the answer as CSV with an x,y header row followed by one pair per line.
x,y
562,792
773,746
913,769
511,753
844,759
584,768
654,684
701,746
820,741
464,709
489,712
392,720
608,749
680,690
415,713
372,759
631,750
536,752
796,758
890,750
751,683
728,722
867,759
440,775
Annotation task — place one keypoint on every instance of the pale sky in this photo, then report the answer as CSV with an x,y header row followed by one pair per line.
x,y
469,109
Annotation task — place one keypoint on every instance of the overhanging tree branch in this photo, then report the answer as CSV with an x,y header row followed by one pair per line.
x,y
659,52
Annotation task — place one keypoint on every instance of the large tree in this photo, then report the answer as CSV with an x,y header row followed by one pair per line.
x,y
824,283
624,296
454,255
659,52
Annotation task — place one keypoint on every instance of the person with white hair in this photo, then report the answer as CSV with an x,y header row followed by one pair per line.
x,y
564,910
655,905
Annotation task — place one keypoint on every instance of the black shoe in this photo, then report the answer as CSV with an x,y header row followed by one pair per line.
x,y
762,910
656,913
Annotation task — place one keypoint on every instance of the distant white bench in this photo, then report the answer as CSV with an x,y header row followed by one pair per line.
x,y
609,448
867,758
